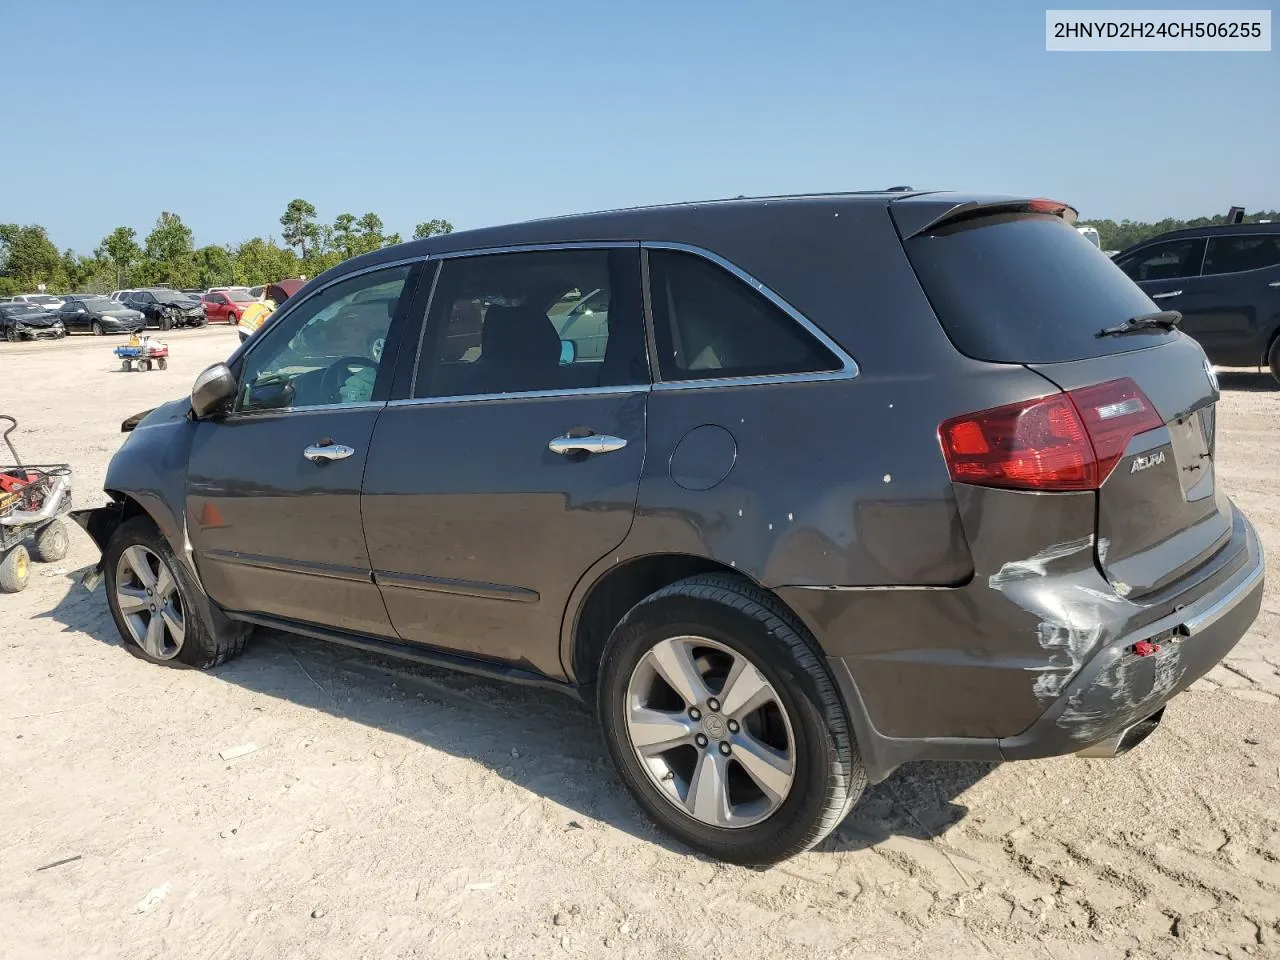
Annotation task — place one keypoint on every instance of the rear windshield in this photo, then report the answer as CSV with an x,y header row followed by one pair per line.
x,y
1027,288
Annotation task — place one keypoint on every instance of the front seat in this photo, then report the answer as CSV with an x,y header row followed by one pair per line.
x,y
519,350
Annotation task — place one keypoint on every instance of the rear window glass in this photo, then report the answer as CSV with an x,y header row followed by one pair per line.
x,y
1027,288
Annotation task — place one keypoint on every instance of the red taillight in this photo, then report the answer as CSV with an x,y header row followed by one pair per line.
x,y
1068,441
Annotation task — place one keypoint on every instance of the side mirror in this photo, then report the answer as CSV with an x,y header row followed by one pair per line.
x,y
568,352
212,391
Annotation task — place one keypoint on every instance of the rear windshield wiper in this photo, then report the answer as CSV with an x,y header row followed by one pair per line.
x,y
1166,319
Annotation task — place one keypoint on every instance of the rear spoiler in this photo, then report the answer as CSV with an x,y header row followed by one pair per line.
x,y
929,211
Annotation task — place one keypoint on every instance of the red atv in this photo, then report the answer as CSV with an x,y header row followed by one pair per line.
x,y
32,502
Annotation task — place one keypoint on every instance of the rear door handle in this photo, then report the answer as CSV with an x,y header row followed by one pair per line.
x,y
1274,283
325,453
1171,293
595,443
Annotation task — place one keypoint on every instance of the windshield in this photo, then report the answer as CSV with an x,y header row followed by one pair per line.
x,y
100,303
20,310
41,298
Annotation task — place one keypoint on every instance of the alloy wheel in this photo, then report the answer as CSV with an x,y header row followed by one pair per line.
x,y
710,732
149,602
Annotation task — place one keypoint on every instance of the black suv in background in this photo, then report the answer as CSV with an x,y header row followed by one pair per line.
x,y
1225,281
166,308
795,490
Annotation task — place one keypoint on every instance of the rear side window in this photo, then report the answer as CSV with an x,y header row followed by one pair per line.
x,y
1171,260
709,324
1026,288
534,321
1235,254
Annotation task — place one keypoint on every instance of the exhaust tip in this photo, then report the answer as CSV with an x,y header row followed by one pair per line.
x,y
1122,741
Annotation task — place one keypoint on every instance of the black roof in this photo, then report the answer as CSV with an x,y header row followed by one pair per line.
x,y
675,220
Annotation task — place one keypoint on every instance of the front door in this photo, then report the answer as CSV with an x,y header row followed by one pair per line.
x,y
514,463
273,489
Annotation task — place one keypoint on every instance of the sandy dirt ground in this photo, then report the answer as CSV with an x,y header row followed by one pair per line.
x,y
393,812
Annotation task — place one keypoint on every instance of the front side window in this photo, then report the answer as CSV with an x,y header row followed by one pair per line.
x,y
330,350
710,324
1247,252
536,321
1165,261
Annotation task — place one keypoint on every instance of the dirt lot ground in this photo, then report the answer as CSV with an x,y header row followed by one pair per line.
x,y
392,812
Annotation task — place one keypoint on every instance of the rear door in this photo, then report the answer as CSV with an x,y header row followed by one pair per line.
x,y
1234,303
512,462
1025,288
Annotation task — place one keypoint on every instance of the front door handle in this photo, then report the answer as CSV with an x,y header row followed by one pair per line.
x,y
1274,283
324,453
1171,293
595,443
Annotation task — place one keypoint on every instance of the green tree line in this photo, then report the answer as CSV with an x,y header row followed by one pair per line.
x,y
168,255
1118,236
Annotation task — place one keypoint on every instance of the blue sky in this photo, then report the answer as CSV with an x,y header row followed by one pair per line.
x,y
486,112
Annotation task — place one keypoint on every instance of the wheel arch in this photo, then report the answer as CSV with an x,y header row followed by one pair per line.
x,y
616,590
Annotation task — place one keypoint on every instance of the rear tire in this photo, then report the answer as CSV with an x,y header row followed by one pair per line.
x,y
15,569
144,366
1273,358
724,624
202,644
162,363
51,543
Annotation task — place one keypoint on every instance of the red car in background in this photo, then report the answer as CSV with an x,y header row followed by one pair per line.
x,y
226,306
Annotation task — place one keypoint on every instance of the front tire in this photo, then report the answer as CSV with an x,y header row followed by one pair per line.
x,y
15,569
1273,358
232,319
96,327
157,607
725,724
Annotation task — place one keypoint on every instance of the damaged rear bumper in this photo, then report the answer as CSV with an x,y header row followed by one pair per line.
x,y
1119,689
1107,705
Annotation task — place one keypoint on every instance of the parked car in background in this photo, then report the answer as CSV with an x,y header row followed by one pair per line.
x,y
1225,281
227,306
258,292
99,315
28,321
165,308
729,516
46,301
118,294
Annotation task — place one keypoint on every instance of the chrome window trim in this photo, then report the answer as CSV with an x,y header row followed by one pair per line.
x,y
536,247
243,415
525,395
848,366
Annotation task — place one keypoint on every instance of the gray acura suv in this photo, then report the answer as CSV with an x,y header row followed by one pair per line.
x,y
794,489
